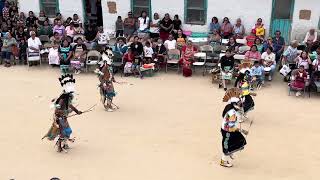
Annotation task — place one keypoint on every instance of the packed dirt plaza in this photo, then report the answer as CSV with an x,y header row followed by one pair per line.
x,y
167,127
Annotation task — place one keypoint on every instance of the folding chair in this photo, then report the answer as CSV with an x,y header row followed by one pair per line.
x,y
173,59
33,57
244,49
241,41
93,57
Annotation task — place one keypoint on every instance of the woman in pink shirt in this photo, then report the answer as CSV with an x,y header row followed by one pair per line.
x,y
70,30
226,28
253,54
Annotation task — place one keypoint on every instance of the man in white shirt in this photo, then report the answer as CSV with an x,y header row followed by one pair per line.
x,y
34,43
103,37
171,43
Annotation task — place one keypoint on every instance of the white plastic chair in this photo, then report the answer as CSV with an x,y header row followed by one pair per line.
x,y
93,58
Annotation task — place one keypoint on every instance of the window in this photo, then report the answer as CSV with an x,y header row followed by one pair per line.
x,y
196,11
50,7
140,5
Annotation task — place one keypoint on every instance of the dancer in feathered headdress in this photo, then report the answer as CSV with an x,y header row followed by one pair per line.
x,y
63,106
106,78
232,138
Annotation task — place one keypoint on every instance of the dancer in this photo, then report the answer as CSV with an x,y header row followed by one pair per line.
x,y
232,138
243,82
106,78
63,107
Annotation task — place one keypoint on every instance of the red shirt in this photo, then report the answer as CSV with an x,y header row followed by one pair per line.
x,y
250,40
128,57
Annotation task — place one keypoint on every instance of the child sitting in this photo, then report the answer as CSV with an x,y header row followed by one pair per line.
x,y
128,59
148,53
257,74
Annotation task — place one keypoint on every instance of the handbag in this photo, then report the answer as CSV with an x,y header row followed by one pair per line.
x,y
285,70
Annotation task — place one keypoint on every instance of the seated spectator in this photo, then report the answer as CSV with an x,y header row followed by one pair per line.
x,y
102,37
227,66
60,29
46,29
14,13
160,51
128,59
58,18
6,11
6,50
181,39
214,25
316,67
290,54
269,62
55,40
215,38
177,24
148,53
233,45
129,25
79,56
310,38
143,23
278,45
303,60
65,54
258,29
90,36
22,19
4,29
23,46
41,19
53,56
226,28
166,26
137,50
121,47
119,27
154,26
257,74
259,45
187,58
68,21
171,43
31,20
251,39
253,54
70,30
20,34
34,45
76,21
238,30
299,80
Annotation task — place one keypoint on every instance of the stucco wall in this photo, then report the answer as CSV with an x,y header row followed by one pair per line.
x,y
67,7
248,11
123,7
299,26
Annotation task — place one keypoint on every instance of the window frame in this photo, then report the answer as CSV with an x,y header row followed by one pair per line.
x,y
149,7
205,9
42,8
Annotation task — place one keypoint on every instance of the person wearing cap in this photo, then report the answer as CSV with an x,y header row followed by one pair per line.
x,y
129,25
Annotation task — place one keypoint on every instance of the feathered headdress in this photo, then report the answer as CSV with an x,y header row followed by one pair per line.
x,y
232,95
67,82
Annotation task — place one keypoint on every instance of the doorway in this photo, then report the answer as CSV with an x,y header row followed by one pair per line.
x,y
281,19
93,12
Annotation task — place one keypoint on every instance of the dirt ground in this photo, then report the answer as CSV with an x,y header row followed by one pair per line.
x,y
167,128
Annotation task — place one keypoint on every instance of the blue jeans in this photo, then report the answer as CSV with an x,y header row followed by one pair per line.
x,y
6,55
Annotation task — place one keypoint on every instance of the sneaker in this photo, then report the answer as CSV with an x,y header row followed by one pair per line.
x,y
110,110
225,164
298,93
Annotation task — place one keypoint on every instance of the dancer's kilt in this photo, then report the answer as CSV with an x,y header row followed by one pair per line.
x,y
232,142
